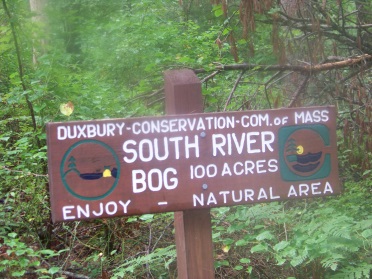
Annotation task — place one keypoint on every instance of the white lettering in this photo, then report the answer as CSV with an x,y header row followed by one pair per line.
x,y
66,210
189,146
240,196
328,188
196,199
254,142
130,151
311,117
138,178
100,212
71,212
89,130
303,189
125,206
114,208
154,180
248,194
292,191
224,193
158,177
160,149
226,170
61,133
262,194
272,197
120,127
80,211
313,189
211,199
173,180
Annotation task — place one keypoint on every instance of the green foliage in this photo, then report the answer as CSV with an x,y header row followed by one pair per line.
x,y
19,259
158,257
326,237
107,58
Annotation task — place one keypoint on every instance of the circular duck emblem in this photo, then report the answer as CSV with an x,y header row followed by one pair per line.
x,y
304,156
303,152
90,177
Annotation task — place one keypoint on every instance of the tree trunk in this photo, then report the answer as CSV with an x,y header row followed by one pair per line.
x,y
364,8
39,20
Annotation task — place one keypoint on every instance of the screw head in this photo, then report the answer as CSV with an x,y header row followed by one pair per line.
x,y
203,134
205,186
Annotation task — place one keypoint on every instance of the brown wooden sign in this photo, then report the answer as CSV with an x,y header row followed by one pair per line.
x,y
120,167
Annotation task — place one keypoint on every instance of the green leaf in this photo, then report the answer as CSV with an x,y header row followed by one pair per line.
x,y
216,235
241,242
23,262
281,245
265,235
249,269
38,108
244,260
12,234
221,263
367,233
132,219
113,252
226,31
228,241
18,273
259,248
218,10
298,259
147,217
238,267
53,270
280,260
48,252
20,252
35,263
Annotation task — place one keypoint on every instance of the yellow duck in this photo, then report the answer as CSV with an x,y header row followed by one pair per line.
x,y
107,172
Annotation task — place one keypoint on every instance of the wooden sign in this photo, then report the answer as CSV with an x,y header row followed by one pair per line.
x,y
119,167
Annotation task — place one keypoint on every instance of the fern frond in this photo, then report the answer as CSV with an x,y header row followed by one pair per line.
x,y
362,271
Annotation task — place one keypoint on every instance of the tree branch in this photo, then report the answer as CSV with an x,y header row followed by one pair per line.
x,y
297,93
209,76
267,84
233,90
303,69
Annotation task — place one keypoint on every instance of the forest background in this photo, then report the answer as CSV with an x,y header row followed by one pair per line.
x,y
80,60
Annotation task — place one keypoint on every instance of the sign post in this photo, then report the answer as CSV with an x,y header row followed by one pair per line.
x,y
193,228
188,162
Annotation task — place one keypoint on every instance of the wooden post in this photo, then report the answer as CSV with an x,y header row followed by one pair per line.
x,y
193,228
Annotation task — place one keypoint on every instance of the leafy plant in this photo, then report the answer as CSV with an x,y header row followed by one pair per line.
x,y
17,259
107,58
131,268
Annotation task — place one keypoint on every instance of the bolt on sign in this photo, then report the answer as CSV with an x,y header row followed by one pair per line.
x,y
120,167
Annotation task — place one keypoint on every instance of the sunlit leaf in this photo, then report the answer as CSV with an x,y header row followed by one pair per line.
x,y
226,248
147,217
67,109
